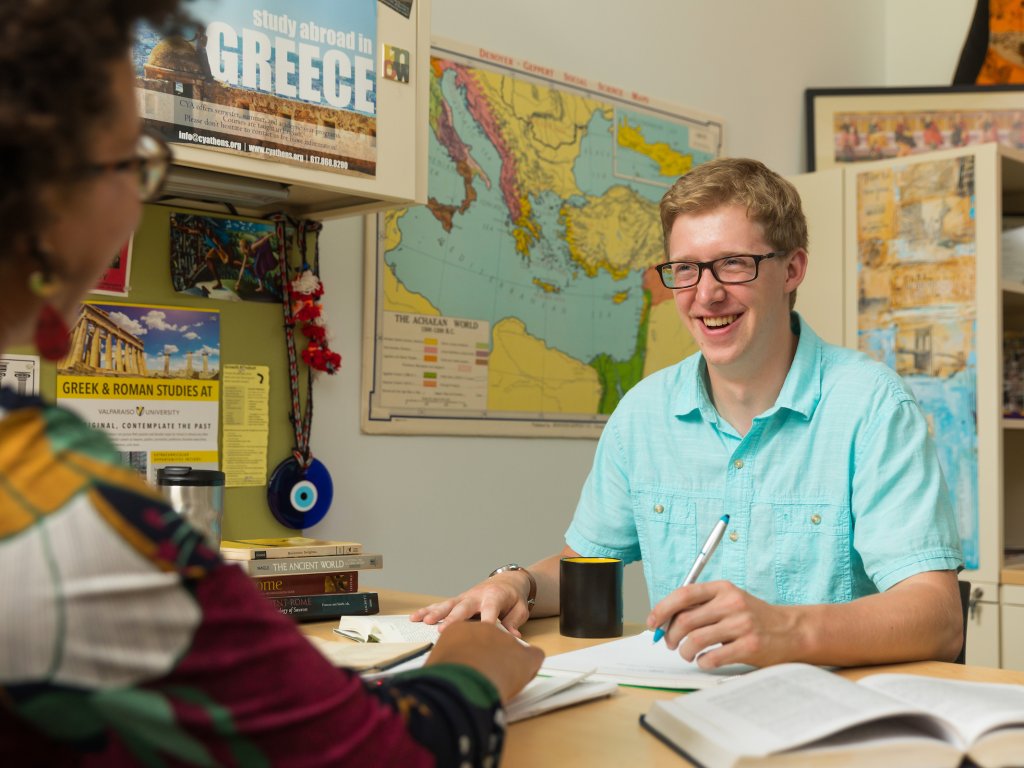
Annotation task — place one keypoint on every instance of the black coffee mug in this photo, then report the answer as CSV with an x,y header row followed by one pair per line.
x,y
590,590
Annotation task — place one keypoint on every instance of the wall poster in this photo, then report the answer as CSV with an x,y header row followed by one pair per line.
x,y
20,373
917,312
519,299
291,82
148,376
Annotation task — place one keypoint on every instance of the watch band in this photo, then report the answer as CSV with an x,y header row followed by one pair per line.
x,y
531,599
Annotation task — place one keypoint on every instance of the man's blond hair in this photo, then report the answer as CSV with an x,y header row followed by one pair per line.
x,y
769,200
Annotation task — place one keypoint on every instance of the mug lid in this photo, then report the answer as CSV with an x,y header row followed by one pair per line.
x,y
188,476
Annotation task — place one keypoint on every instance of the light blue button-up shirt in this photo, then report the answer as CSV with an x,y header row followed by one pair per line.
x,y
833,494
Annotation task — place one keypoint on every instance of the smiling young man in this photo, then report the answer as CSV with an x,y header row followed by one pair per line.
x,y
842,547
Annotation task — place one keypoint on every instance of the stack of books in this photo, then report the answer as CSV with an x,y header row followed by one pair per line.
x,y
307,579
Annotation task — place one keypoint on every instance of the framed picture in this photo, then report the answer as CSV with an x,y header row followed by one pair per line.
x,y
849,125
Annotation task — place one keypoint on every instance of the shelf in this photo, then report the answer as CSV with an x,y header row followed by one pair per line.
x,y
1012,575
1013,423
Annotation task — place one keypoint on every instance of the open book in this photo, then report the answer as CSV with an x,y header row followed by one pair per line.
x,y
372,657
385,628
377,635
800,715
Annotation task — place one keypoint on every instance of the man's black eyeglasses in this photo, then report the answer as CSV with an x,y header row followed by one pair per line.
x,y
730,270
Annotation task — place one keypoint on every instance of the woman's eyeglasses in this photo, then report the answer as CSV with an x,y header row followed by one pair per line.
x,y
151,161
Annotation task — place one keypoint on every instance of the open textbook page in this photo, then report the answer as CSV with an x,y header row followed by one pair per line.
x,y
639,661
798,715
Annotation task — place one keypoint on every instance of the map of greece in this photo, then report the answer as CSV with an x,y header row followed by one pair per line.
x,y
519,299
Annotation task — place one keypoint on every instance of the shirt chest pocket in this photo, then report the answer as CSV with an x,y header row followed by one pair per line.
x,y
813,545
666,528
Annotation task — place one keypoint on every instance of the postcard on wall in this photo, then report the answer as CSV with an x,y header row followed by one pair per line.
x,y
20,373
225,257
115,280
148,376
268,80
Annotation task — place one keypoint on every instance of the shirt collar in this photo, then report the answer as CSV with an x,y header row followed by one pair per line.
x,y
800,392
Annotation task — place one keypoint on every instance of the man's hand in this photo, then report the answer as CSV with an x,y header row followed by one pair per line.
x,y
501,597
749,630
917,619
492,653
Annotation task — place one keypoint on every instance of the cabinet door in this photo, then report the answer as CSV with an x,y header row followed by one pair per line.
x,y
1012,627
923,296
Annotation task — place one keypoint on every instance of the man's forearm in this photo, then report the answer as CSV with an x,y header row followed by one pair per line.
x,y
918,619
546,574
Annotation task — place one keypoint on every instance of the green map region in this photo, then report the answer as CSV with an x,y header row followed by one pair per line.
x,y
519,299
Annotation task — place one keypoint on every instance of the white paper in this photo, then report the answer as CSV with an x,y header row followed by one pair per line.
x,y
639,661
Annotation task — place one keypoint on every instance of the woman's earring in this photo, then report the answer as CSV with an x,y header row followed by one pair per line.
x,y
41,286
52,337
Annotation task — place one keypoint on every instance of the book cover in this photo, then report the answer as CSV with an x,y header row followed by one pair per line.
x,y
281,565
289,546
288,585
320,607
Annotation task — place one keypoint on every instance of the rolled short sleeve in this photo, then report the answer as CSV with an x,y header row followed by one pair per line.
x,y
603,525
904,522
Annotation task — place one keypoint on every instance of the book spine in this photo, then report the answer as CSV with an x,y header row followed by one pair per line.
x,y
308,583
319,607
321,550
279,565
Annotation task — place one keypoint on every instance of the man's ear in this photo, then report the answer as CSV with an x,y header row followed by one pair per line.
x,y
796,269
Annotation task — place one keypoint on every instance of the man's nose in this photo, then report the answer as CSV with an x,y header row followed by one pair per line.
x,y
708,286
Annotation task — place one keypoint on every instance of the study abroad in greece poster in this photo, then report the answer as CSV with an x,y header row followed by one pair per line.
x,y
148,376
290,82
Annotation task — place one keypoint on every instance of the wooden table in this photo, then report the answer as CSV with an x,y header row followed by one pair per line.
x,y
607,732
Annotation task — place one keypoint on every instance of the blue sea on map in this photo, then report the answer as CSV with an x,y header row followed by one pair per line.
x,y
483,277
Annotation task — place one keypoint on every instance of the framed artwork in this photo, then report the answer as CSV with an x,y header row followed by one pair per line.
x,y
849,125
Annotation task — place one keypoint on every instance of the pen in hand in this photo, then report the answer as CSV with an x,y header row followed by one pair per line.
x,y
698,565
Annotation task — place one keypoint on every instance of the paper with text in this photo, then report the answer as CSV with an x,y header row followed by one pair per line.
x,y
638,661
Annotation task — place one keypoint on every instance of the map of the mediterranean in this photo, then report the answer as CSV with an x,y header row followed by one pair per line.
x,y
519,299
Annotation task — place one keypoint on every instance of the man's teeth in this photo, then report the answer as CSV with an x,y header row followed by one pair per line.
x,y
718,322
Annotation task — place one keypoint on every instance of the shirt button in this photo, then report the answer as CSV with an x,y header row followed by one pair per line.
x,y
815,519
738,463
658,508
734,536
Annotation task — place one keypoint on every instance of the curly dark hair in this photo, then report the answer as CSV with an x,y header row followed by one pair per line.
x,y
54,59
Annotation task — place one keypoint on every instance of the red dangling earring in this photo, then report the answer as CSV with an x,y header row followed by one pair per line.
x,y
52,337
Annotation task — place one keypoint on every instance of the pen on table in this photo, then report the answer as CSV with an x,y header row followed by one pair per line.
x,y
698,565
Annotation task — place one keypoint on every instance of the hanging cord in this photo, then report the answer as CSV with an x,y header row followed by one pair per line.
x,y
301,419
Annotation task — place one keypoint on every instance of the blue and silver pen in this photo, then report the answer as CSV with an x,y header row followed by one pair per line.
x,y
698,565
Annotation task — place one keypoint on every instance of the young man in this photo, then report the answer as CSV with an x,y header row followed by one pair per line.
x,y
842,547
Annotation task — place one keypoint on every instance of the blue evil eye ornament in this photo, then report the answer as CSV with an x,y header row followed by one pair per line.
x,y
300,498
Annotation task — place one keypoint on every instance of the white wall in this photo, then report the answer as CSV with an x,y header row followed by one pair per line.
x,y
446,510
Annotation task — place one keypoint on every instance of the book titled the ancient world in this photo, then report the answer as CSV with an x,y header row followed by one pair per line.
x,y
276,566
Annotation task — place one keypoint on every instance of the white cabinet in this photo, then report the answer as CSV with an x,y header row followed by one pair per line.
x,y
1012,620
400,176
943,308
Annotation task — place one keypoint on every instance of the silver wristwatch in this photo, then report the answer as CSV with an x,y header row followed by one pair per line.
x,y
531,599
